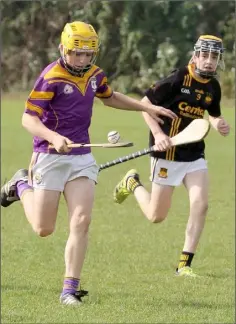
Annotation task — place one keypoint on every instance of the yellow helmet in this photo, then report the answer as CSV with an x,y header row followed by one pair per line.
x,y
79,36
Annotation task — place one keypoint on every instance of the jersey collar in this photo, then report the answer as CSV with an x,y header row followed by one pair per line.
x,y
191,68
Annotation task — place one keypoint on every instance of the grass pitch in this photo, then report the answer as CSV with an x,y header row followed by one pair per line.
x,y
129,269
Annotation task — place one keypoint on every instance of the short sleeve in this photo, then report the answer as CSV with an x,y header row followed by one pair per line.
x,y
103,90
160,91
40,97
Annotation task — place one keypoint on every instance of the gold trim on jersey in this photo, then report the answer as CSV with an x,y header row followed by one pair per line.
x,y
63,80
187,80
59,74
106,94
170,153
41,95
87,84
34,108
191,68
57,119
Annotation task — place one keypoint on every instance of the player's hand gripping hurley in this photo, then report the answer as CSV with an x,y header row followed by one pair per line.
x,y
196,131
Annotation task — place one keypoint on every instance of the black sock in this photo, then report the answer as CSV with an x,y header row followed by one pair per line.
x,y
133,183
185,260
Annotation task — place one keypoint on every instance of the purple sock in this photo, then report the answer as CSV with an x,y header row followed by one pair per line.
x,y
70,285
21,186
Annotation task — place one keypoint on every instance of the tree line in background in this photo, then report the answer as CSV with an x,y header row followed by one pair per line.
x,y
141,41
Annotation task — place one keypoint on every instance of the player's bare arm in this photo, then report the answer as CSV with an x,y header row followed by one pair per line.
x,y
220,125
162,141
121,101
189,92
35,127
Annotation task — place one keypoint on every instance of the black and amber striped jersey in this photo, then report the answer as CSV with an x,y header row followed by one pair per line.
x,y
188,97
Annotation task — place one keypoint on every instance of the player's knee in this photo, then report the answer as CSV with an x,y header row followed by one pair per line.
x,y
201,205
80,223
157,216
157,219
158,212
43,231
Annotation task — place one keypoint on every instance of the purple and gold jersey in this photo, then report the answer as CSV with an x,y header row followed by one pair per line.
x,y
64,103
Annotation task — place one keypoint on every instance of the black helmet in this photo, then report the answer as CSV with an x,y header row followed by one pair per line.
x,y
211,44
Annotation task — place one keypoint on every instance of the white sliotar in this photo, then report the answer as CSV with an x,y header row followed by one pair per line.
x,y
113,137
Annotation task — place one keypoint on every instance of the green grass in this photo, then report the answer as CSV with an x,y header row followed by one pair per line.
x,y
129,269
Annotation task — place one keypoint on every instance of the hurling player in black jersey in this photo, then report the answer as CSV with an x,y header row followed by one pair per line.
x,y
188,92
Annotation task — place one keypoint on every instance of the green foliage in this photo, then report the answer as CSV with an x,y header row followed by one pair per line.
x,y
141,41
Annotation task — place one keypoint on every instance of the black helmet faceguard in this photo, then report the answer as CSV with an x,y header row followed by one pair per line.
x,y
209,44
75,70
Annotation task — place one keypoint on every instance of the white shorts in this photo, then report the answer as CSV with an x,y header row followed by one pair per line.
x,y
172,173
53,171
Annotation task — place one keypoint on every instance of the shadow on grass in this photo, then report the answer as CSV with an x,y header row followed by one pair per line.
x,y
222,275
191,304
12,287
8,319
209,305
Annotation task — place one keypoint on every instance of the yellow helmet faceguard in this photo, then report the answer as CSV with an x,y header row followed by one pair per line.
x,y
79,36
209,44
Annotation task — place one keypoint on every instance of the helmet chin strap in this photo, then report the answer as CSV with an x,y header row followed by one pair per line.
x,y
205,74
74,72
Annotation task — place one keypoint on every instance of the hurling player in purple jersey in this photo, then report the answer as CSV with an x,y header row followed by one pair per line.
x,y
58,111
